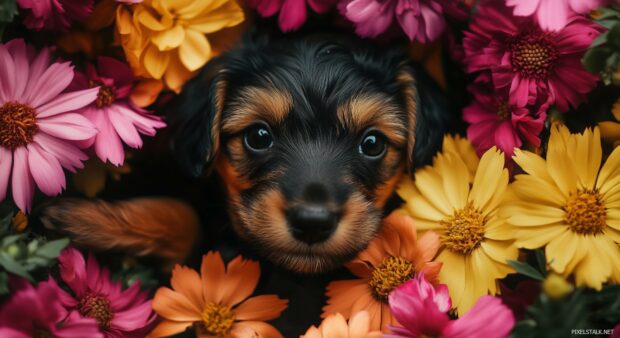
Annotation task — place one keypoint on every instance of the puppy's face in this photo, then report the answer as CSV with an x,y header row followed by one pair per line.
x,y
310,141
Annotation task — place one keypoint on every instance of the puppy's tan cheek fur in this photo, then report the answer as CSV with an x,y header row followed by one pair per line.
x,y
265,219
383,192
356,225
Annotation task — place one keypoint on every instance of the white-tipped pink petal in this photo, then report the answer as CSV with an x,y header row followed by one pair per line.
x,y
22,181
46,170
70,126
6,162
68,102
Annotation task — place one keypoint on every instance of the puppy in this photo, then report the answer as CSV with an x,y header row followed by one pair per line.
x,y
309,134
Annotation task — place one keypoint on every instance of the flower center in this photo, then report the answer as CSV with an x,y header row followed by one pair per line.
x,y
585,213
533,55
98,307
392,272
503,110
18,125
41,333
106,95
217,319
464,230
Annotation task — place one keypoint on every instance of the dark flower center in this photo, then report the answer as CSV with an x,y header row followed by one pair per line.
x,y
503,110
96,306
392,272
533,55
585,213
41,333
18,125
106,95
217,319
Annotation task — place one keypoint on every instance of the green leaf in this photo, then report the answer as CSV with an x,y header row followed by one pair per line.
x,y
8,240
600,40
613,35
4,283
595,59
10,265
526,270
52,249
5,223
541,261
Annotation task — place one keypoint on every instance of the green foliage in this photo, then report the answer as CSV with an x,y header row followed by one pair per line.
x,y
22,255
131,273
584,309
603,57
8,10
538,272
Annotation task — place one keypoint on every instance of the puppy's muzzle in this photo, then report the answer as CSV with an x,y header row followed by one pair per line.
x,y
314,218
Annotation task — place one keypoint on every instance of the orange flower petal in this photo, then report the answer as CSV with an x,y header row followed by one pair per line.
x,y
312,332
426,248
176,74
213,275
241,278
265,307
366,302
175,306
156,61
168,328
187,282
342,294
431,271
195,50
386,317
146,92
334,326
169,39
358,325
263,329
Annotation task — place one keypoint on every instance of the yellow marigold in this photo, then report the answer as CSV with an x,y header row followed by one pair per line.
x,y
570,205
459,197
166,38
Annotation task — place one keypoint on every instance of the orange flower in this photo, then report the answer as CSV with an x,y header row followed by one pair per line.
x,y
335,326
391,259
216,302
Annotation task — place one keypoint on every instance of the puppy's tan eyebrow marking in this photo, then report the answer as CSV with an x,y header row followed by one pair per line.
x,y
374,110
268,104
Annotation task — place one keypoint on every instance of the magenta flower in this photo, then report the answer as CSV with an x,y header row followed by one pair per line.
x,y
38,130
293,13
495,122
113,113
119,313
422,310
421,20
38,312
528,61
54,14
553,14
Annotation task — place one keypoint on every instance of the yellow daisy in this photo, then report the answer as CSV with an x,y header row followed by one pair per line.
x,y
610,130
165,39
570,205
475,242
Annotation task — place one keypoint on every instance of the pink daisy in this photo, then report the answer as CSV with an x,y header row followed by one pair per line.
x,y
528,61
54,14
422,310
495,122
421,20
553,14
293,13
119,313
38,131
115,116
38,312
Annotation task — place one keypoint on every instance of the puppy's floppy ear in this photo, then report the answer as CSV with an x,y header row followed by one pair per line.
x,y
196,115
429,117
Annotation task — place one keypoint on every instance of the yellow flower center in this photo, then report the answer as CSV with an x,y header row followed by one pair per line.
x,y
217,319
585,213
533,55
464,230
98,307
18,125
392,272
106,95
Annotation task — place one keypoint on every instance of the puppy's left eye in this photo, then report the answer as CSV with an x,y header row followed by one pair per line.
x,y
373,144
258,137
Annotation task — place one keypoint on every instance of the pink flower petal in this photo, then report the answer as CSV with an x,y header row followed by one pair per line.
x,y
23,183
68,102
51,83
488,318
6,162
68,126
73,270
124,128
7,75
46,170
292,15
108,146
69,156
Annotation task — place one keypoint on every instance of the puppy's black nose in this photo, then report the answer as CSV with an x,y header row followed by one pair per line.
x,y
312,223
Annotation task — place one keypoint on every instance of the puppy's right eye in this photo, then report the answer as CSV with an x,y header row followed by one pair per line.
x,y
258,137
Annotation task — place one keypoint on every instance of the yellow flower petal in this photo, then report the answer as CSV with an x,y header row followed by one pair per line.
x,y
151,22
528,187
176,74
534,238
491,179
588,155
156,61
531,214
452,273
609,176
169,39
596,267
562,250
560,167
230,14
455,179
429,183
195,50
